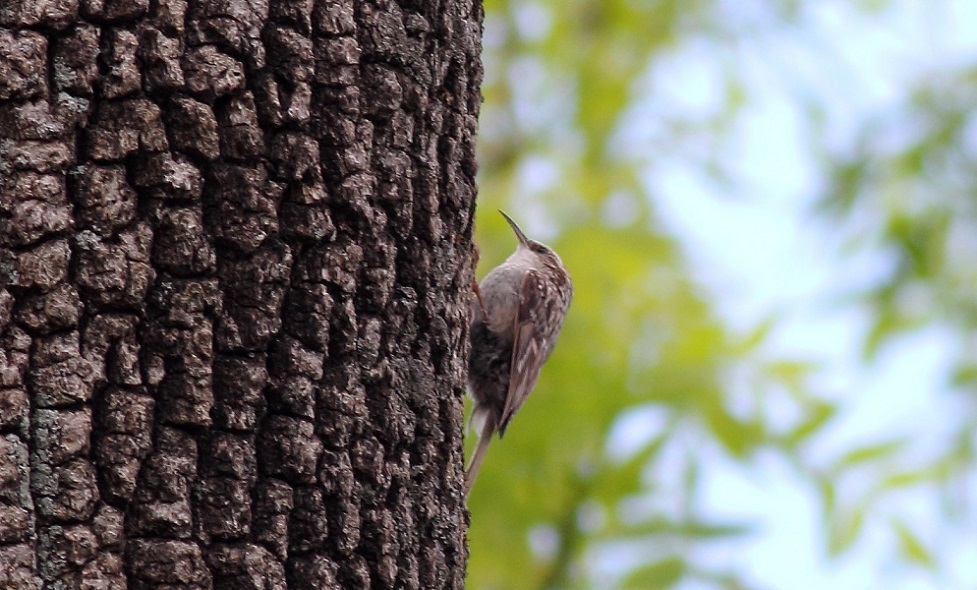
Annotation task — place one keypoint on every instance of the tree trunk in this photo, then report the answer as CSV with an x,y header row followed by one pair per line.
x,y
235,266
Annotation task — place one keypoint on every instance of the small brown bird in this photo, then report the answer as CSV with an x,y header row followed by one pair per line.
x,y
517,316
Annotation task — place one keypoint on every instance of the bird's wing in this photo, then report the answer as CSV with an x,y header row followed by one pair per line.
x,y
530,345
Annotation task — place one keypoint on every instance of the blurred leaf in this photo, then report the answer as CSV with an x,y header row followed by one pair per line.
x,y
737,436
829,496
658,575
928,473
870,453
818,416
964,376
888,324
755,338
706,531
617,480
791,372
844,530
847,182
686,530
912,547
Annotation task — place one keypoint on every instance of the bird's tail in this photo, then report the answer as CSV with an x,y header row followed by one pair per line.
x,y
488,429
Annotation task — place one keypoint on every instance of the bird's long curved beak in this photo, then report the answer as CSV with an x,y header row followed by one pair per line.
x,y
522,237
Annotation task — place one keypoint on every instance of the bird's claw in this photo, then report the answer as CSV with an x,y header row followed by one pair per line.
x,y
478,296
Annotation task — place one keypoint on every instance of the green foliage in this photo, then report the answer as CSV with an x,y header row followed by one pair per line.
x,y
912,547
558,493
659,574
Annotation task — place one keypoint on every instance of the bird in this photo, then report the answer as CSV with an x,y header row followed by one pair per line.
x,y
517,313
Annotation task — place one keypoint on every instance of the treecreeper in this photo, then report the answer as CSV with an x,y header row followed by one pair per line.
x,y
518,311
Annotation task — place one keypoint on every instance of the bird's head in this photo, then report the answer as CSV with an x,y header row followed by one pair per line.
x,y
536,248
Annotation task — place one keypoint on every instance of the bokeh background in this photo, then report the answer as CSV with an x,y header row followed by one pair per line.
x,y
769,372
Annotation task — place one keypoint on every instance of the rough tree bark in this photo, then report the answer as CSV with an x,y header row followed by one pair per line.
x,y
235,258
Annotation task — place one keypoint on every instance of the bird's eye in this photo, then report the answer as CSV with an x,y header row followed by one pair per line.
x,y
540,249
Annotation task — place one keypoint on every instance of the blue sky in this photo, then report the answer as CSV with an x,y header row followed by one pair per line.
x,y
759,252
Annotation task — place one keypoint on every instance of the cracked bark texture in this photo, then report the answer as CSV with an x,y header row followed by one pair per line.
x,y
235,262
